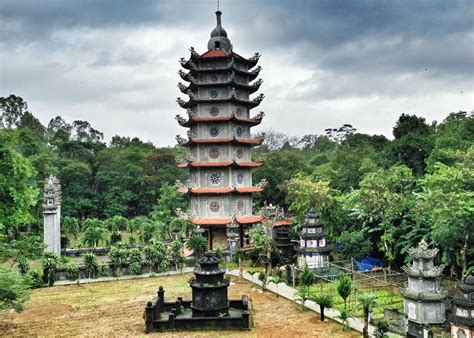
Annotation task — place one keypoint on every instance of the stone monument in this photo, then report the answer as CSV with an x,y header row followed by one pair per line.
x,y
219,138
314,248
424,299
209,308
462,317
52,215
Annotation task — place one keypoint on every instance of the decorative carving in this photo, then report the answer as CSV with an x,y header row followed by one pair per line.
x,y
255,57
259,116
180,119
189,157
192,64
259,98
261,137
191,112
191,134
232,76
181,102
190,94
257,83
262,184
256,70
52,193
422,251
231,63
183,88
183,75
233,93
193,52
183,61
181,140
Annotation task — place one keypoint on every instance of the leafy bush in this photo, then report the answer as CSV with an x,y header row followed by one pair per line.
x,y
307,276
13,290
135,267
72,270
91,263
104,270
36,279
155,254
344,287
50,263
118,256
135,256
353,244
23,265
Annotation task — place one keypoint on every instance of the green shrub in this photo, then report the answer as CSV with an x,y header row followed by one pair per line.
x,y
23,265
104,270
36,279
307,276
50,263
72,271
135,267
91,263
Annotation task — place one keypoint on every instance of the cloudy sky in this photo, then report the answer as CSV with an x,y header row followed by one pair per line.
x,y
325,63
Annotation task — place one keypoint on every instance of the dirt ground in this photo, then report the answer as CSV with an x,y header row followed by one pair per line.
x,y
116,309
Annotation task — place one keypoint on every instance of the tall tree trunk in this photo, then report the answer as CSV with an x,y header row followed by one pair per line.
x,y
464,256
366,323
322,313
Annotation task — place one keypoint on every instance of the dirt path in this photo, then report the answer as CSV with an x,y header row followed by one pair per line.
x,y
116,309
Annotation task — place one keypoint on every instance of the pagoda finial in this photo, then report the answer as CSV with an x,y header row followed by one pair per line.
x,y
218,6
219,38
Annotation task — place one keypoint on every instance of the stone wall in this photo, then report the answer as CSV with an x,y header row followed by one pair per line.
x,y
396,320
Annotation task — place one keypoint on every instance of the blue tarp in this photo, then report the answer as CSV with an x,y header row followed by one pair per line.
x,y
368,263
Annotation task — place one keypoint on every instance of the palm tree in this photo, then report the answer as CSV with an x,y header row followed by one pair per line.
x,y
302,296
324,300
94,235
276,280
71,226
344,287
198,244
367,301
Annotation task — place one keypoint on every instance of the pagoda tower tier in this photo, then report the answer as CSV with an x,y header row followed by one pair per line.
x,y
462,317
219,87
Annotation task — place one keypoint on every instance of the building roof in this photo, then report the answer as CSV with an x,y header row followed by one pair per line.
x,y
219,164
458,320
227,220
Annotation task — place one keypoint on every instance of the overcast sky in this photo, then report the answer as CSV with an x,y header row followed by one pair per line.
x,y
325,63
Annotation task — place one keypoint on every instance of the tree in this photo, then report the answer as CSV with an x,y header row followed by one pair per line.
x,y
344,287
155,254
368,301
164,211
177,256
23,265
198,244
50,263
304,193
151,230
408,124
381,202
118,256
94,233
12,109
13,290
91,263
307,277
324,300
16,191
354,244
71,226
447,202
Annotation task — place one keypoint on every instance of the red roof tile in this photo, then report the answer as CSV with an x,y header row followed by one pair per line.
x,y
212,221
215,53
283,222
249,164
252,189
211,190
210,164
249,219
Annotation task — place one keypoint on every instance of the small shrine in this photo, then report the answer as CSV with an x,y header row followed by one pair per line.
x,y
52,215
209,307
283,244
424,299
462,317
314,248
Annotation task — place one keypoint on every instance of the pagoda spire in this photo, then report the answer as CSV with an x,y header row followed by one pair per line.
x,y
219,38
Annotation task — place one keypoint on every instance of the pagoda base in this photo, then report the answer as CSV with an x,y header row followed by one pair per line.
x,y
174,316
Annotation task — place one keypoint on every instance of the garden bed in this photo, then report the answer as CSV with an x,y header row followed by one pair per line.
x,y
116,308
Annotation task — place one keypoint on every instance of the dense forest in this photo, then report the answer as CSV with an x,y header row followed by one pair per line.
x,y
378,196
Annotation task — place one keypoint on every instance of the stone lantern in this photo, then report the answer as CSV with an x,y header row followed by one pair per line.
x,y
424,299
52,215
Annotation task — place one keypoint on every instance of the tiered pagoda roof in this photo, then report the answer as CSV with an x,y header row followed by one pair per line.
x,y
465,302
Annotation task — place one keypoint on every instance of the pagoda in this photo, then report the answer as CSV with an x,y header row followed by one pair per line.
x,y
209,308
52,215
219,86
424,299
314,249
462,317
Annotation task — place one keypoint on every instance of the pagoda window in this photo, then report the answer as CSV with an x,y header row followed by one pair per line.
x,y
217,44
320,230
312,243
302,243
461,333
239,131
311,230
411,311
214,153
50,193
312,221
462,312
322,242
214,131
50,202
215,179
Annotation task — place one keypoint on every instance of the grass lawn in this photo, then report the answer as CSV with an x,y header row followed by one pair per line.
x,y
116,308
